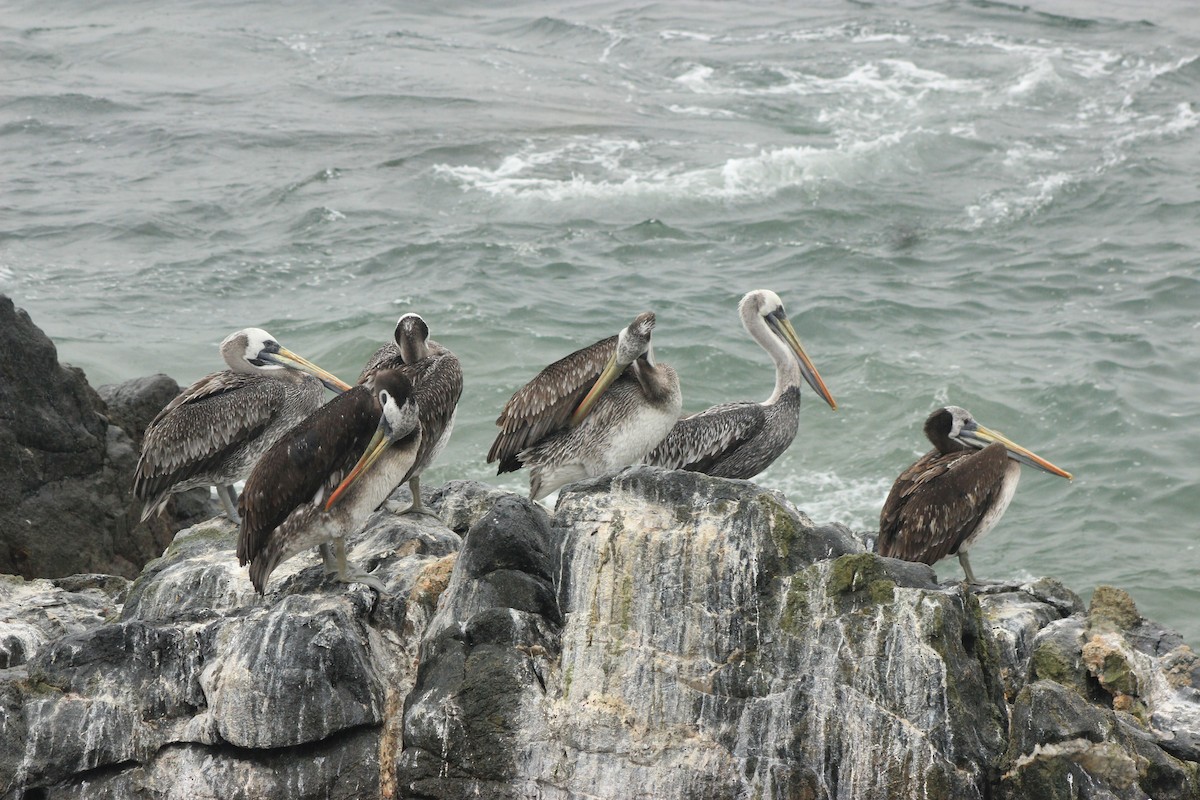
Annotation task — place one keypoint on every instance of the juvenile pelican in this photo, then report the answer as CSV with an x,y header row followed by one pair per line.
x,y
214,431
322,479
437,381
591,413
740,440
955,493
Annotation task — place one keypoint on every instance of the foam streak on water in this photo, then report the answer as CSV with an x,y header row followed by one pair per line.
x,y
984,204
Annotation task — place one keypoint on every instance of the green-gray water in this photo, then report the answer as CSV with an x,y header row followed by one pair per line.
x,y
976,203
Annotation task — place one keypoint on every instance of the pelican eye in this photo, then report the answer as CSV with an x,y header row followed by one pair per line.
x,y
384,397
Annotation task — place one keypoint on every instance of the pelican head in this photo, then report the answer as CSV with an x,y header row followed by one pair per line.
x,y
398,420
633,343
253,350
411,336
763,307
953,424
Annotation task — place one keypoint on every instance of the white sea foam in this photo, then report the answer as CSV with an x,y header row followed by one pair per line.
x,y
1039,75
668,36
599,169
701,111
1012,204
696,78
830,497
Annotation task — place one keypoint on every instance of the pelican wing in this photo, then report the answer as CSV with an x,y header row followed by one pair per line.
x,y
545,404
304,466
437,383
386,357
697,443
937,502
197,430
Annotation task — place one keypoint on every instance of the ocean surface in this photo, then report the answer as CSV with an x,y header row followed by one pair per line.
x,y
985,204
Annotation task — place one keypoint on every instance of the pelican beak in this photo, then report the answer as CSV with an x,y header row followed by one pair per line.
x,y
379,443
784,329
287,358
981,436
610,373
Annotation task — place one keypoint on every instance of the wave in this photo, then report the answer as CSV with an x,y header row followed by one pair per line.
x,y
587,168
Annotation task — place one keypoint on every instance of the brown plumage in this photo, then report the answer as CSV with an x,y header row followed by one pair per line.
x,y
592,413
546,403
285,505
954,494
437,380
215,429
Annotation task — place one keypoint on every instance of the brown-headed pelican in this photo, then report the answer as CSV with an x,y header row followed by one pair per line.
x,y
324,477
437,381
955,493
591,413
740,440
214,431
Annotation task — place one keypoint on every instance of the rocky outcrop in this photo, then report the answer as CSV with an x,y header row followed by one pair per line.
x,y
661,634
65,500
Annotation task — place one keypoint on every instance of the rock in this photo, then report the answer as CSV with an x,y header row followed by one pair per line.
x,y
198,682
708,647
66,504
662,634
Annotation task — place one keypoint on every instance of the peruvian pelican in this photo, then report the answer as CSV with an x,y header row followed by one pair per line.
x,y
740,440
322,479
437,381
955,493
214,431
591,413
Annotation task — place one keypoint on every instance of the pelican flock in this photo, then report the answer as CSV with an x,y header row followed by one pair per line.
x,y
954,494
214,431
740,440
314,473
590,413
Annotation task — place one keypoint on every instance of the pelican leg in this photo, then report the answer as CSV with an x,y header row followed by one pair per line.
x,y
229,499
329,559
414,485
348,574
966,567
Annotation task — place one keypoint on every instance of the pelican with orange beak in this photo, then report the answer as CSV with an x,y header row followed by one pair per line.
x,y
741,439
215,430
320,482
956,493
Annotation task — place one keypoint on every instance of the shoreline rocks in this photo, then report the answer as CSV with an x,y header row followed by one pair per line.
x,y
660,634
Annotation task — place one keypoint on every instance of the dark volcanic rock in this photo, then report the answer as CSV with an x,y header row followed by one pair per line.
x,y
65,501
492,643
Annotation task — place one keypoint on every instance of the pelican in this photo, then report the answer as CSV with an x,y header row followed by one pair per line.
x,y
437,381
323,478
955,493
214,431
740,440
591,413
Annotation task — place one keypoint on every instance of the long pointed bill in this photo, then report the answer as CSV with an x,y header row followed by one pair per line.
x,y
986,436
289,359
785,329
375,448
610,374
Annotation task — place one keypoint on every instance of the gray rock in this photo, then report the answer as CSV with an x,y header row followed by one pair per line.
x,y
199,682
65,504
662,634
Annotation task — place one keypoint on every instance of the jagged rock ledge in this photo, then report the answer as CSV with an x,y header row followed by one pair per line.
x,y
663,634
